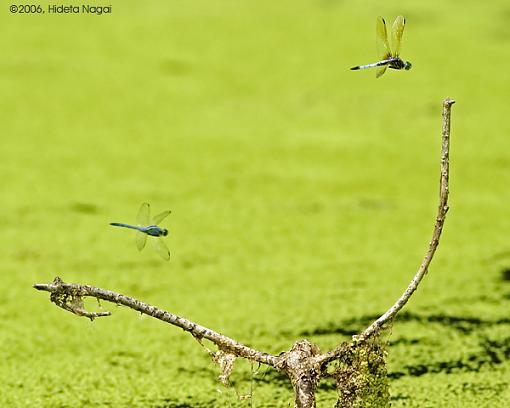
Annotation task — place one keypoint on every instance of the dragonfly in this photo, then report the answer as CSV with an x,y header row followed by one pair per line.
x,y
390,57
146,228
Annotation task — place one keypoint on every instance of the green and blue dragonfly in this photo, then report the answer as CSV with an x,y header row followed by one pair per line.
x,y
146,228
390,57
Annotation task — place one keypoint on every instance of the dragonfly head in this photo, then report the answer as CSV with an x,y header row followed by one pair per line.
x,y
407,65
164,232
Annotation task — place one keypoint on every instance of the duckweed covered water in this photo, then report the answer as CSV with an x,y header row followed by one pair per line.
x,y
303,197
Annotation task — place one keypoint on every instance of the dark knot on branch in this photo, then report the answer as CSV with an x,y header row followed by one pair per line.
x,y
69,297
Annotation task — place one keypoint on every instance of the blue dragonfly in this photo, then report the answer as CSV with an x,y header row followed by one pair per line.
x,y
145,228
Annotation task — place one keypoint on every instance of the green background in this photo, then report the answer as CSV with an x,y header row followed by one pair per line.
x,y
303,196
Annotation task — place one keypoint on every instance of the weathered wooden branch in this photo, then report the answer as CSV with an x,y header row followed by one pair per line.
x,y
69,295
438,228
303,372
304,364
377,325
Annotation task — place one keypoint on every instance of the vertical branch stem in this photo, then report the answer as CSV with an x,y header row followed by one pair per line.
x,y
438,228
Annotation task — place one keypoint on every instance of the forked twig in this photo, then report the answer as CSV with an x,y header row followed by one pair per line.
x,y
303,363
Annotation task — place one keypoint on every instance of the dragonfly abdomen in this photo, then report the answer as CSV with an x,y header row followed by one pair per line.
x,y
375,64
120,224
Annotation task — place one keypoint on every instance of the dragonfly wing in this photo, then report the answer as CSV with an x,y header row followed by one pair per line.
x,y
143,216
140,239
396,35
380,70
162,249
160,217
383,47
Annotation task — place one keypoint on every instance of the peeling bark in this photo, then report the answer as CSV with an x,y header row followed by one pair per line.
x,y
303,370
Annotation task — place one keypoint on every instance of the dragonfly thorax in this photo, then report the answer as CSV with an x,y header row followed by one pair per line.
x,y
397,63
154,231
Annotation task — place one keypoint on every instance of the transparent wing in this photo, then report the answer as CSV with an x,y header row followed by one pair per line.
x,y
140,240
383,47
396,35
380,70
160,217
162,249
143,217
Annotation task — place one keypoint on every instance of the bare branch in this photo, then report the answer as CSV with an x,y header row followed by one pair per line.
x,y
69,297
438,227
304,364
